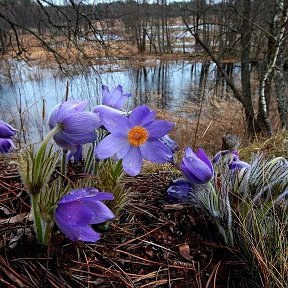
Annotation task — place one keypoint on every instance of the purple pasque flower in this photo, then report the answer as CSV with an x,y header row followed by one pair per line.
x,y
134,138
179,191
6,133
196,167
80,208
236,163
76,126
112,101
115,99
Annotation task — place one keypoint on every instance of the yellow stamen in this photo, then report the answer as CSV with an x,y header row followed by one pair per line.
x,y
137,136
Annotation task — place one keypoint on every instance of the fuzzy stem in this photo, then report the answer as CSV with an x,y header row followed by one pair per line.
x,y
45,141
47,231
64,162
36,216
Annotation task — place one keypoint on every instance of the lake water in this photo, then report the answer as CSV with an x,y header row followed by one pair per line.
x,y
28,93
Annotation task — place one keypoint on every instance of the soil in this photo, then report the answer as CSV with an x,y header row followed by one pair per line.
x,y
153,243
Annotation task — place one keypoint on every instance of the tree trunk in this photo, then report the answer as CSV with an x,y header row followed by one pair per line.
x,y
246,34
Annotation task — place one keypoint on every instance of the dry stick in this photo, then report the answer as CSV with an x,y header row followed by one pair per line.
x,y
214,272
12,274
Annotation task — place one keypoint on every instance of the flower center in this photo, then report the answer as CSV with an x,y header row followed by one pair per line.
x,y
137,136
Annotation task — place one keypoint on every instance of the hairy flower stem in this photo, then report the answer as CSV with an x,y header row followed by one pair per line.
x,y
64,162
36,216
42,149
39,223
46,228
42,228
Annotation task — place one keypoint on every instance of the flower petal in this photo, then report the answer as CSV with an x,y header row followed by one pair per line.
x,y
63,109
141,115
179,191
85,193
77,139
79,123
115,123
111,145
159,128
116,98
156,151
101,213
6,131
87,234
65,144
103,108
202,155
196,170
77,155
74,213
132,162
76,233
5,145
169,142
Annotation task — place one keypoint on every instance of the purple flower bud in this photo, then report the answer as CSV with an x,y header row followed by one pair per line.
x,y
219,154
238,164
179,191
196,167
80,208
170,143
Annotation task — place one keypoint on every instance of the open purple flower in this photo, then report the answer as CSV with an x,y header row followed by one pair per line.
x,y
80,208
134,138
76,126
6,133
196,167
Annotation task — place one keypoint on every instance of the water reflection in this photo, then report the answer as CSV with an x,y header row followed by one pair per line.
x,y
27,94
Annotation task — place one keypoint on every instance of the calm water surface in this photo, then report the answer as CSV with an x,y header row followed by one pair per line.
x,y
27,94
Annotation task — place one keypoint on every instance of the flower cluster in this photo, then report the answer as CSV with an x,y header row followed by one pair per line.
x,y
126,137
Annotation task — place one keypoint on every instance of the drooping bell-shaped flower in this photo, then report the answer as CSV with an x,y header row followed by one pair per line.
x,y
76,126
196,167
6,134
80,208
134,138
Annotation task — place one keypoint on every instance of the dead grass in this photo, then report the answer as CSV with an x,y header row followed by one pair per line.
x,y
196,127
